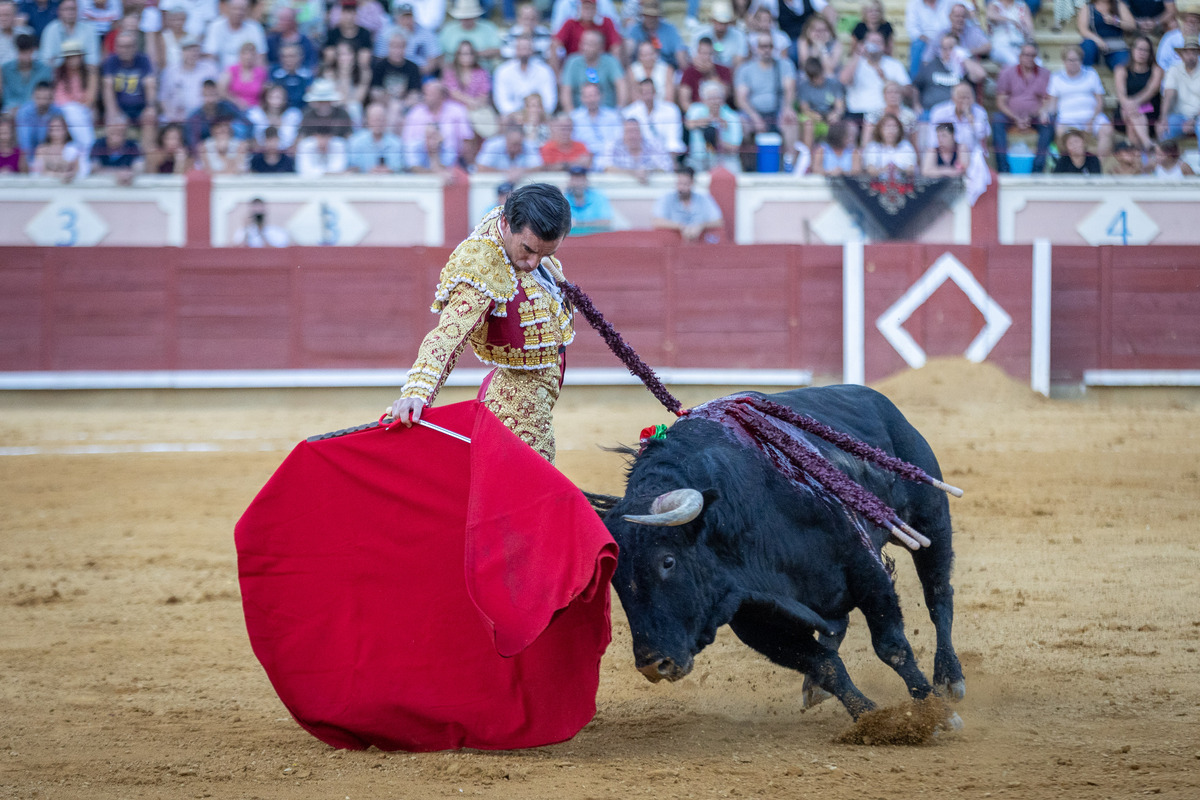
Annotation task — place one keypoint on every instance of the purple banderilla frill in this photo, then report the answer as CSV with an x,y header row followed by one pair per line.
x,y
757,419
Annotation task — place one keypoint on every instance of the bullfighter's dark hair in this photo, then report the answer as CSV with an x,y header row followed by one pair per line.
x,y
540,208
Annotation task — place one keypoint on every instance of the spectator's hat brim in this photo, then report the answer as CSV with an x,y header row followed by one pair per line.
x,y
72,47
466,9
721,12
1189,43
322,90
651,8
1187,8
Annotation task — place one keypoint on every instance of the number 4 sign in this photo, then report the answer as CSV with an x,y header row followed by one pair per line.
x,y
1118,221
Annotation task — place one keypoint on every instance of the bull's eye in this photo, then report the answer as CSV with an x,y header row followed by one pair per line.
x,y
668,563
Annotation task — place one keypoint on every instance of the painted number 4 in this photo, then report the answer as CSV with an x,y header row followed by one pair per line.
x,y
1119,227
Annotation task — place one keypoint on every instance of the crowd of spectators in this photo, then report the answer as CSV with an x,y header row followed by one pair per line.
x,y
390,86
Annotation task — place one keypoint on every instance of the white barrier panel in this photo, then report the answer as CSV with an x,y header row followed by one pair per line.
x,y
94,211
1080,210
337,211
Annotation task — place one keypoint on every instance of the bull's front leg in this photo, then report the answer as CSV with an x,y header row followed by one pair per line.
x,y
881,608
814,695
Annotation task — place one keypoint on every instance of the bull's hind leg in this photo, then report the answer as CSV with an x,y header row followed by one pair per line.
x,y
933,565
793,646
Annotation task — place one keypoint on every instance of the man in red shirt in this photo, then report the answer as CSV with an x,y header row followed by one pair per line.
x,y
703,68
570,34
1020,104
562,151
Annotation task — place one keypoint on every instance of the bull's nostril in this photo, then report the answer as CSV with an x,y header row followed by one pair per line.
x,y
666,667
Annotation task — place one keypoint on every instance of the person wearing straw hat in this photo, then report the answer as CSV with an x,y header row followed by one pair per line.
x,y
466,23
659,32
1181,91
1188,17
728,41
499,294
323,111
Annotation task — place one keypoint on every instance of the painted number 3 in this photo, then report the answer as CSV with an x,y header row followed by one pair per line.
x,y
69,232
330,232
1119,227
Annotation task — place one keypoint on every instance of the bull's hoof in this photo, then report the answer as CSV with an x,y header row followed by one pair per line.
x,y
813,694
953,691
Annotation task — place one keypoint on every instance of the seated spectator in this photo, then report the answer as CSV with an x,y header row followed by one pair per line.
x,y
421,43
1076,99
889,150
102,14
563,151
1153,17
592,65
149,39
1167,163
69,27
1103,25
226,34
395,80
661,33
198,125
970,120
924,20
292,75
430,154
170,155
286,32
822,101
762,21
470,84
534,120
115,154
541,38
12,159
726,42
867,71
10,30
893,103
703,68
694,214
1022,104
947,159
1010,26
1074,159
522,75
129,84
324,110
373,149
321,153
596,125
661,121
590,210
438,111
1181,92
347,30
257,232
873,21
33,119
172,35
222,153
564,10
766,93
466,24
350,80
272,111
634,154
269,158
181,87
820,41
570,35
1128,160
508,152
242,83
950,66
970,36
793,15
57,156
37,14
648,66
369,14
24,71
714,130
1138,87
1189,26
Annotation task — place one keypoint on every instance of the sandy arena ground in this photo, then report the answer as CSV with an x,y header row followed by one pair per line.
x,y
127,672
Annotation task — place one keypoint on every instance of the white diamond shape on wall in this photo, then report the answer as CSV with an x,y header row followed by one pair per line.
x,y
1118,220
891,322
328,222
66,223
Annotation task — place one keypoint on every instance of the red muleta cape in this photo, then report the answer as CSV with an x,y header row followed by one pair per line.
x,y
406,590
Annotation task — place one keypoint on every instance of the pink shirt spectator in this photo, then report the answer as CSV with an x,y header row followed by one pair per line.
x,y
451,120
479,83
1026,92
245,91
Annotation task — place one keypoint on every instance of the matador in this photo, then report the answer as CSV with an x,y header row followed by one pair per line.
x,y
499,294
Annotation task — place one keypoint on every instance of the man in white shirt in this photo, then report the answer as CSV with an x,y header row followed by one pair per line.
x,y
522,76
1189,25
596,125
659,120
227,35
866,72
970,120
1181,91
924,20
200,13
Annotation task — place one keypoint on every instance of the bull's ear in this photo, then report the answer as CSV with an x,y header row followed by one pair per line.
x,y
794,610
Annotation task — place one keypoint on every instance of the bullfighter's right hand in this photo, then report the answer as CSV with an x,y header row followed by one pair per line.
x,y
407,410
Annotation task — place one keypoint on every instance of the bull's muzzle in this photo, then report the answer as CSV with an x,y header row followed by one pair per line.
x,y
667,668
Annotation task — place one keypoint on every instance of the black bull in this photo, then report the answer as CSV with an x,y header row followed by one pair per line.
x,y
776,563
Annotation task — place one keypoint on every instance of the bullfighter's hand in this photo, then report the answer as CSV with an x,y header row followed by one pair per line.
x,y
407,410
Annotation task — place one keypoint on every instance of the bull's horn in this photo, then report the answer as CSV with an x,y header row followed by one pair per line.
x,y
673,508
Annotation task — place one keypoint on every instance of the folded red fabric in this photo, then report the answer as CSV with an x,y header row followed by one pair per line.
x,y
405,590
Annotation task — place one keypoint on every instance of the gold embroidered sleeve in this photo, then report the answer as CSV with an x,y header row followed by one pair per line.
x,y
463,313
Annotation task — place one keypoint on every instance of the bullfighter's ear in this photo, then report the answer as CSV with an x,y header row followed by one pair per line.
x,y
794,610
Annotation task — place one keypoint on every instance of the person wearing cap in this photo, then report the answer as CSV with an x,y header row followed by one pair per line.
x,y
181,86
727,41
19,76
590,210
570,35
660,33
521,76
421,43
1188,18
466,24
227,34
69,27
499,294
1181,92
